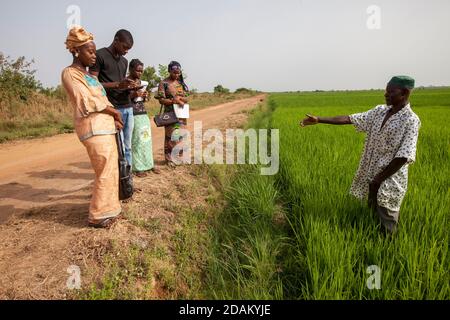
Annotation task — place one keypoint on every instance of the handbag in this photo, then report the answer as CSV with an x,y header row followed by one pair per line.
x,y
164,119
125,178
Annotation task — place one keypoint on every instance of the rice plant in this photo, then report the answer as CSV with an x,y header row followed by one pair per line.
x,y
336,236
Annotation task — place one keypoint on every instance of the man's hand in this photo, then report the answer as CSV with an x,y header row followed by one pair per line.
x,y
309,120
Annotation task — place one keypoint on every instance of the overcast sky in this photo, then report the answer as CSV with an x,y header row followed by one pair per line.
x,y
266,45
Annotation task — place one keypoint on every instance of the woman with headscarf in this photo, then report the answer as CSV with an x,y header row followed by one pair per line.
x,y
95,122
141,141
173,90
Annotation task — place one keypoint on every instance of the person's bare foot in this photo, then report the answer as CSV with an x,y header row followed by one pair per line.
x,y
141,174
155,170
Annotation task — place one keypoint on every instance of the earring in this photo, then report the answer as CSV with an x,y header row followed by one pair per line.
x,y
76,54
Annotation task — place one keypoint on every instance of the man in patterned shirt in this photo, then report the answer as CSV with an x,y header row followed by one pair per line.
x,y
392,132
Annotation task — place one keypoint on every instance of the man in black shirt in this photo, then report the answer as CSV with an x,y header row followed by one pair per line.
x,y
111,70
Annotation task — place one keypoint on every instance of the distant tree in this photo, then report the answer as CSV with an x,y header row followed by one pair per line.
x,y
243,90
163,72
17,78
151,77
220,89
57,92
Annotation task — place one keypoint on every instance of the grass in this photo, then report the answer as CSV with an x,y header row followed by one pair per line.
x,y
39,116
337,237
129,276
167,260
324,240
248,234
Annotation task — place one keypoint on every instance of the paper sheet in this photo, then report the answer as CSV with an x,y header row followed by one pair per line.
x,y
145,84
181,112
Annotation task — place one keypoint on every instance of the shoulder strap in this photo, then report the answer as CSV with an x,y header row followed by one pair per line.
x,y
120,146
166,86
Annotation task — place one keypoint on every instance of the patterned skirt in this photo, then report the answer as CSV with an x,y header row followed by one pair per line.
x,y
141,143
173,137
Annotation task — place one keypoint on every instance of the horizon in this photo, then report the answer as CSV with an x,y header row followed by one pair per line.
x,y
296,45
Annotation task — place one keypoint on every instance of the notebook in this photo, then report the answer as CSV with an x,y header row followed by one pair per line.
x,y
181,112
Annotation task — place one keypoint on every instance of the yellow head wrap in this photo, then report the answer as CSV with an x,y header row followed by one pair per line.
x,y
77,37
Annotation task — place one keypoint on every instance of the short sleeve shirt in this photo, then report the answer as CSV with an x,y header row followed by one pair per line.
x,y
112,69
396,139
88,99
168,90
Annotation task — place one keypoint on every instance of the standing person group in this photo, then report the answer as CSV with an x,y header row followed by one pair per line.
x,y
106,101
392,129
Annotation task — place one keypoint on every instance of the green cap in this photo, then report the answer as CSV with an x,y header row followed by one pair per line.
x,y
402,82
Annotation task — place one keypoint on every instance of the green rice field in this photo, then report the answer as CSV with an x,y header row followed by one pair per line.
x,y
330,238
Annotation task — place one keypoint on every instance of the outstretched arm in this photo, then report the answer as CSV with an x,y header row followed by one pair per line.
x,y
339,120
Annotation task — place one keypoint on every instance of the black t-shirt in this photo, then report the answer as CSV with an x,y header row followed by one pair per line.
x,y
112,69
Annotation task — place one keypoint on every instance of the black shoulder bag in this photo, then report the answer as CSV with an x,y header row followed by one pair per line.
x,y
125,178
164,119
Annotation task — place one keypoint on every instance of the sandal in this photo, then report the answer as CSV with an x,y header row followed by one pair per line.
x,y
104,223
171,164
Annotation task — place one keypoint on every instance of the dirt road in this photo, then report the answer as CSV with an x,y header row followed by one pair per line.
x,y
44,196
36,172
